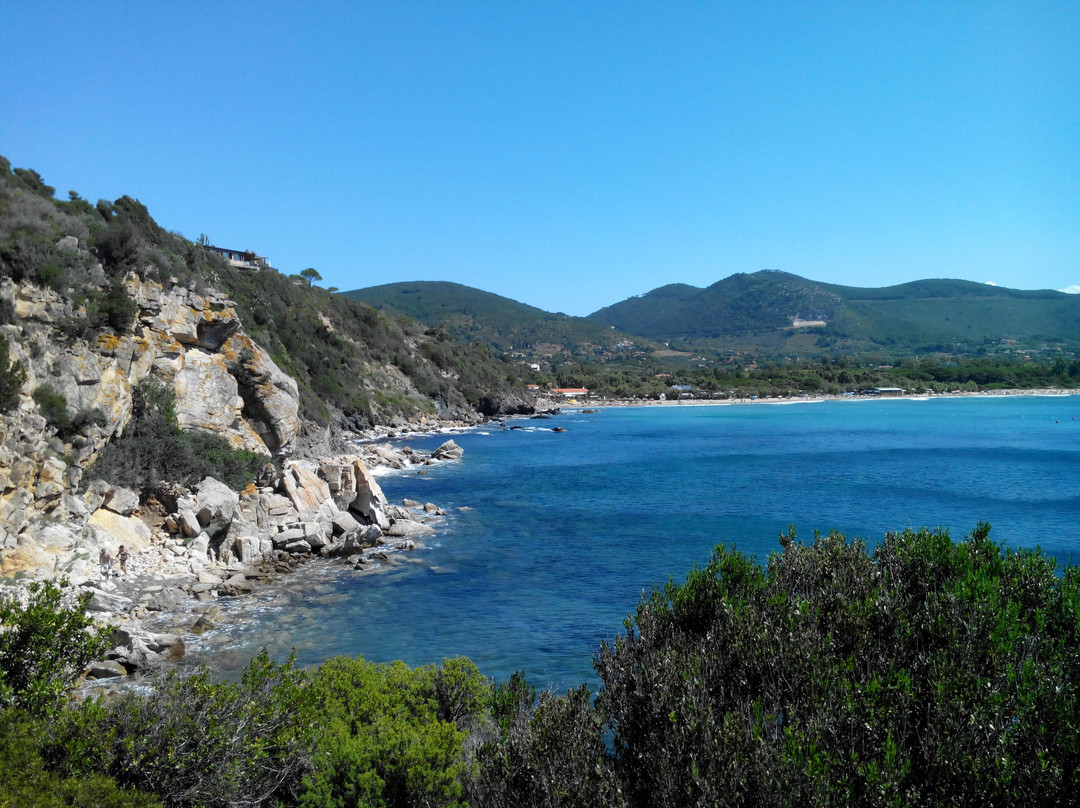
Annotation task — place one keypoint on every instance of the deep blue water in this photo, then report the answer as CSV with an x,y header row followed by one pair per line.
x,y
553,537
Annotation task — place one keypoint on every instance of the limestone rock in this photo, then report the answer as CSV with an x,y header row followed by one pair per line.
x,y
110,530
404,529
271,397
344,524
448,451
166,600
109,602
309,494
237,584
207,400
215,504
121,500
106,669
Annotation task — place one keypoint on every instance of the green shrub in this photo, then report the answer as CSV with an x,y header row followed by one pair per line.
x,y
153,449
12,377
194,742
391,737
927,673
53,407
26,780
44,647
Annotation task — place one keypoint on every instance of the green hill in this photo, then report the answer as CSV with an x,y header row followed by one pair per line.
x,y
773,312
475,316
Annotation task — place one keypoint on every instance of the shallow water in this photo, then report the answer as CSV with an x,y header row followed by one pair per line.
x,y
552,537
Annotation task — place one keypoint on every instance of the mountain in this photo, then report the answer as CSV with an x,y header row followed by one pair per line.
x,y
772,312
509,327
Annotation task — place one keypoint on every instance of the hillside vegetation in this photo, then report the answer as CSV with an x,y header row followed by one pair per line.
x,y
354,365
758,314
509,327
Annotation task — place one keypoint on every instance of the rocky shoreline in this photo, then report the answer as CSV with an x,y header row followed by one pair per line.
x,y
192,548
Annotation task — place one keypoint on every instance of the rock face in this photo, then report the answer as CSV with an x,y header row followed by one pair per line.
x,y
224,383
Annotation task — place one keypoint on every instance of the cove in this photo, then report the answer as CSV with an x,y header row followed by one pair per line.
x,y
553,537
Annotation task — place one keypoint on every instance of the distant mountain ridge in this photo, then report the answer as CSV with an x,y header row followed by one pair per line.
x,y
762,313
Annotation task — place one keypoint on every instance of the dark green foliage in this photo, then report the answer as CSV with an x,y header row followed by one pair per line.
x,y
153,449
26,781
12,377
550,754
930,673
44,647
198,743
53,407
754,313
116,308
835,376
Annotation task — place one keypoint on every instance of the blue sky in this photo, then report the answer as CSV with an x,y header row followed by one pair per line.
x,y
570,155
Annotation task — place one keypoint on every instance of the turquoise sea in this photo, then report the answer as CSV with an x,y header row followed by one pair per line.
x,y
553,537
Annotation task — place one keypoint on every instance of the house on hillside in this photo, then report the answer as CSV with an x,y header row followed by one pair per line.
x,y
242,259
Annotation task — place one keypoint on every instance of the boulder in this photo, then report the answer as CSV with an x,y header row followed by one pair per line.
x,y
405,529
199,547
237,584
166,600
448,451
215,504
343,524
271,397
109,602
169,647
298,547
119,500
188,522
309,494
109,529
368,499
207,400
106,669
202,625
251,528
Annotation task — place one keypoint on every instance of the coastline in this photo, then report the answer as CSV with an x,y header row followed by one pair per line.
x,y
811,399
177,579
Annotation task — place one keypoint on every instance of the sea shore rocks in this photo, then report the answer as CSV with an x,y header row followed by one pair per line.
x,y
198,545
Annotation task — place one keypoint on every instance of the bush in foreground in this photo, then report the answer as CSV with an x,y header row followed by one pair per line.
x,y
927,673
924,673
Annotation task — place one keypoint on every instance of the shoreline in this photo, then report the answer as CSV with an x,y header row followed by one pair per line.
x,y
1044,392
178,581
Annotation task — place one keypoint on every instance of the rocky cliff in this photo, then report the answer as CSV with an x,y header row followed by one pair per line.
x,y
99,304
224,383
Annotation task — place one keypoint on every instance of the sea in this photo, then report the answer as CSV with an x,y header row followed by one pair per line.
x,y
551,538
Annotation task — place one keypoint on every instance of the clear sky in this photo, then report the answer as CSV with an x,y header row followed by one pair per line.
x,y
570,155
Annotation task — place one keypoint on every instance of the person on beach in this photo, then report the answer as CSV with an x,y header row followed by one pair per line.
x,y
106,563
122,556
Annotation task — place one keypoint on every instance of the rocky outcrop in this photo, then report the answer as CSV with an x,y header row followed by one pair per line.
x,y
224,383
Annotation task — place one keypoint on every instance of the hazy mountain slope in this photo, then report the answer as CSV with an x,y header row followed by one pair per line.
x,y
476,316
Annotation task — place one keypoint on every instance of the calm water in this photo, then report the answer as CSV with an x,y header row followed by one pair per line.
x,y
561,532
